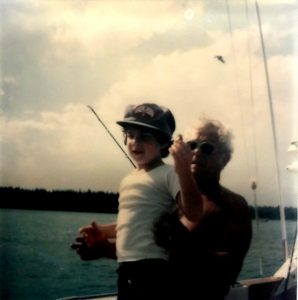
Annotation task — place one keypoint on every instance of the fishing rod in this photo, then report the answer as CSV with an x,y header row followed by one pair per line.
x,y
111,135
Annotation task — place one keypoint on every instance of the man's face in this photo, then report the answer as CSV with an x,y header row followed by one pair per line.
x,y
207,155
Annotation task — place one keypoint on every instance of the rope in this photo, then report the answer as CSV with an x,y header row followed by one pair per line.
x,y
281,206
255,165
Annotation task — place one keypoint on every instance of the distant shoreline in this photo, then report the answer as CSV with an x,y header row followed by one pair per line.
x,y
91,201
59,200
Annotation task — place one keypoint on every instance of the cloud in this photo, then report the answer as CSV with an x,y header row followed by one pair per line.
x,y
72,50
182,90
69,54
60,150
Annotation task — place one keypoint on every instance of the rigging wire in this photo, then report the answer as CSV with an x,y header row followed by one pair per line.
x,y
281,205
253,182
254,168
255,165
237,76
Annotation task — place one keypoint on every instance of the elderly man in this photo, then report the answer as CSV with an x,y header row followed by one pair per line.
x,y
208,237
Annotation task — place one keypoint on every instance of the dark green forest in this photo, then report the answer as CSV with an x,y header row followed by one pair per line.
x,y
60,200
91,201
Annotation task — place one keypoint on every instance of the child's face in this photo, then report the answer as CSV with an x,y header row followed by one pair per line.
x,y
142,146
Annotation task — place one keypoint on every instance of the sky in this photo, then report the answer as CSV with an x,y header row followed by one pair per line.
x,y
59,56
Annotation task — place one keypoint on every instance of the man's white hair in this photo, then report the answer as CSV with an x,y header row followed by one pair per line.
x,y
223,133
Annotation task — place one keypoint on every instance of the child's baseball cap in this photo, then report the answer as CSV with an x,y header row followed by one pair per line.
x,y
151,116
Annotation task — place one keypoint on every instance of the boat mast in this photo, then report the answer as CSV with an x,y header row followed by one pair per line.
x,y
281,205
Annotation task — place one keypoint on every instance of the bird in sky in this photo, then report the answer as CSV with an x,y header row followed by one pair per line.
x,y
220,58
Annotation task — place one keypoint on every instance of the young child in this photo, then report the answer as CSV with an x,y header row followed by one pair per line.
x,y
145,194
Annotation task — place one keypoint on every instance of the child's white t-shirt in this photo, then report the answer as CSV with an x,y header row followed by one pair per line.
x,y
143,198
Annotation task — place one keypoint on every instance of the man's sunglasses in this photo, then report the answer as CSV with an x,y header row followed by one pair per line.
x,y
205,147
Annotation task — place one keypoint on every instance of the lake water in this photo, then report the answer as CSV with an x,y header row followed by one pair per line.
x,y
36,261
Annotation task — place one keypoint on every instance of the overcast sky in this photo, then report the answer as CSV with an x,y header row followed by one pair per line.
x,y
59,56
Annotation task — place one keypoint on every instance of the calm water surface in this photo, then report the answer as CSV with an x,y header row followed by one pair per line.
x,y
36,261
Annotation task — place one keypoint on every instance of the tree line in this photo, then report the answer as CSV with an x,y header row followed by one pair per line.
x,y
59,200
92,201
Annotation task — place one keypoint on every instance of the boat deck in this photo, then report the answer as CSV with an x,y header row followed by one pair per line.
x,y
250,289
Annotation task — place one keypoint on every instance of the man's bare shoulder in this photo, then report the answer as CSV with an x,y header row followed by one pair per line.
x,y
239,214
234,201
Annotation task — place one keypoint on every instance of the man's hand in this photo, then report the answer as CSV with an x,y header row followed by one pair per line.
x,y
92,243
182,155
93,233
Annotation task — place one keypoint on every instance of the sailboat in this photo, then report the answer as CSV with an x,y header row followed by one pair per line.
x,y
283,282
282,285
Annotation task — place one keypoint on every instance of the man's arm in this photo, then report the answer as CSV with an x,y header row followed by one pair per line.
x,y
190,198
94,241
100,249
96,232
